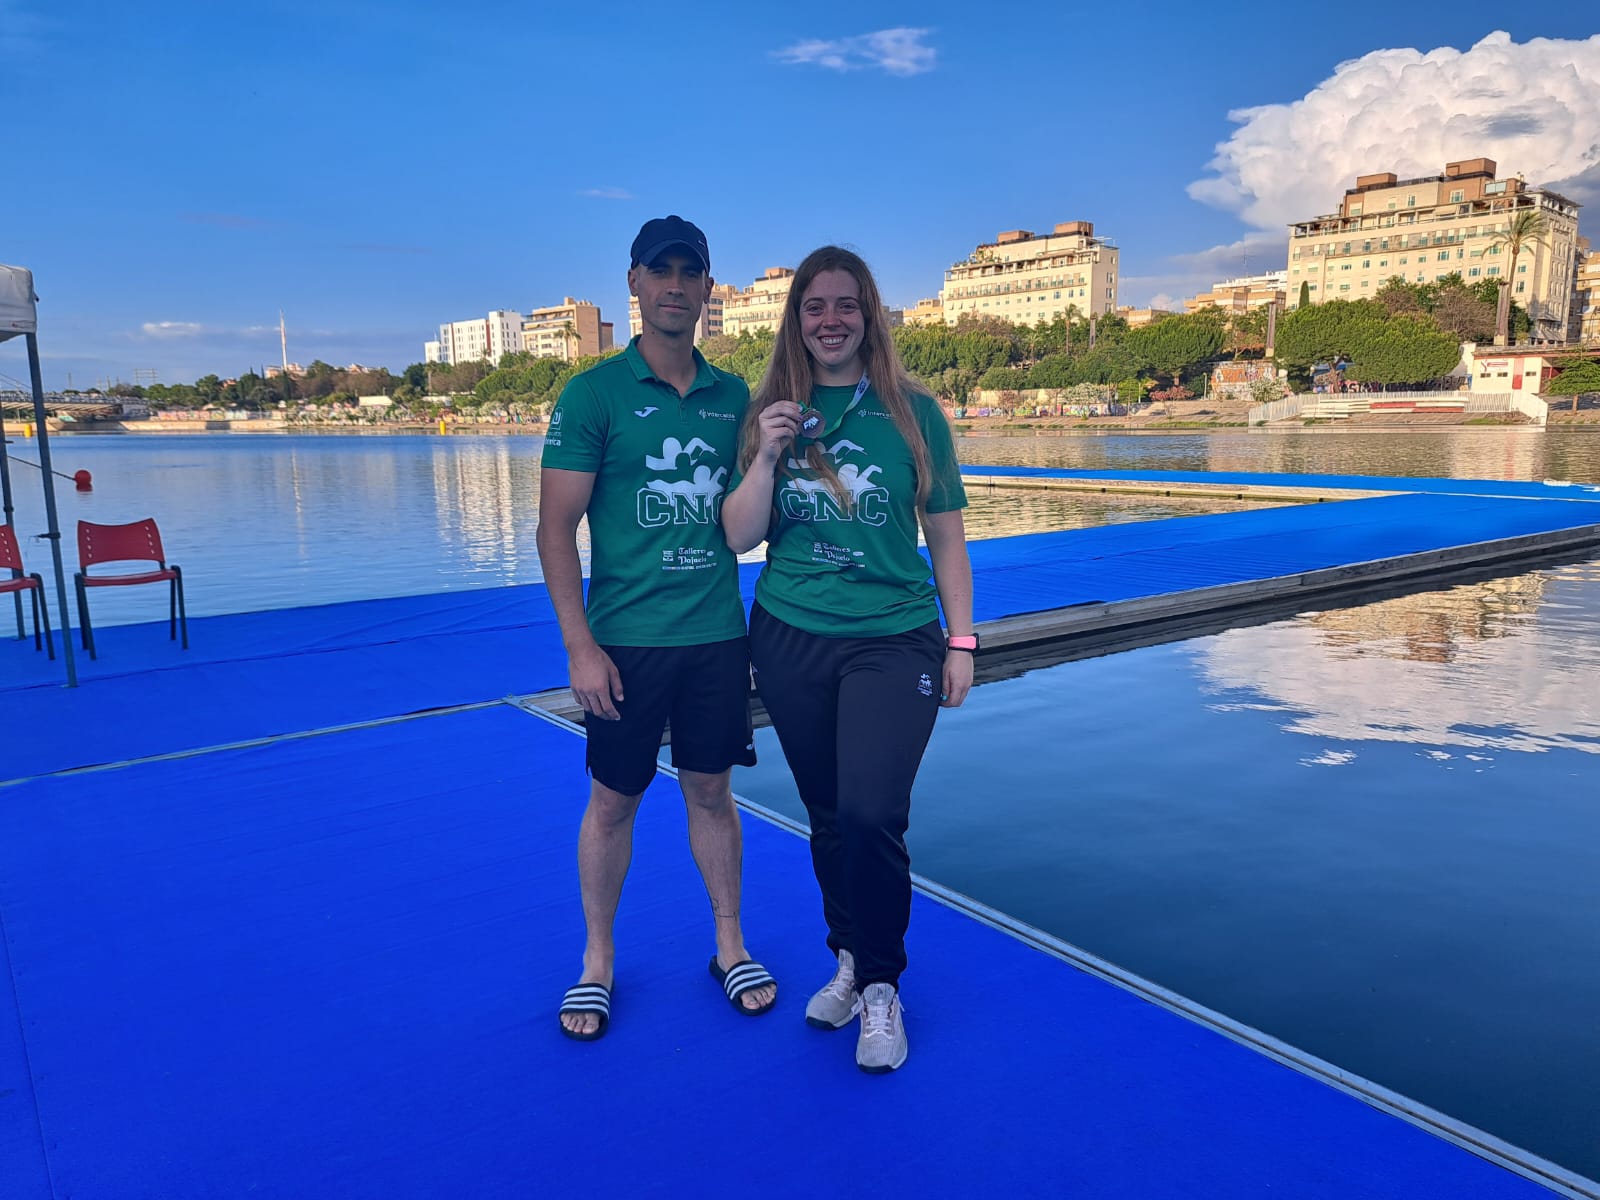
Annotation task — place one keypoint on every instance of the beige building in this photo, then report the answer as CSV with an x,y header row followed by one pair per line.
x,y
1025,279
1585,315
569,330
1137,318
759,306
489,338
1242,294
710,323
929,311
1425,229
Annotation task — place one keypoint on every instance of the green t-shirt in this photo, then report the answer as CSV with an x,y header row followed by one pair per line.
x,y
856,572
660,573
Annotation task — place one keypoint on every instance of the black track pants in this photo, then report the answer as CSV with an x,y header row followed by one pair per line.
x,y
853,716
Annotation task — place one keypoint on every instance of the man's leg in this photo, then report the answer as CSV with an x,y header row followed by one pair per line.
x,y
605,849
717,843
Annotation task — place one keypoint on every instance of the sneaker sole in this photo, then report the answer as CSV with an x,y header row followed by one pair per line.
x,y
819,1023
883,1070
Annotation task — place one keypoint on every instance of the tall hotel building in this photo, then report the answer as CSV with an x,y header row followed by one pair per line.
x,y
468,341
710,323
1023,278
1585,315
569,330
759,306
1424,229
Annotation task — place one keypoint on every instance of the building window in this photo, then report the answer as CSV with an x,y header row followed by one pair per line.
x,y
1494,270
1456,196
1411,201
1344,287
1522,285
1475,271
1365,263
1355,210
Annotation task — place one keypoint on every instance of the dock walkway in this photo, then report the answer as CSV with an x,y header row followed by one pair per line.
x,y
288,915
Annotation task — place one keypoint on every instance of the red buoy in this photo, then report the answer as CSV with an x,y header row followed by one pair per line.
x,y
82,480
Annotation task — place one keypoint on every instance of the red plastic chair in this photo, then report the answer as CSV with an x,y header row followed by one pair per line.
x,y
136,542
11,561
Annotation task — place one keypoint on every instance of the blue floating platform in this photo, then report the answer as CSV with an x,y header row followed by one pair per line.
x,y
289,914
329,967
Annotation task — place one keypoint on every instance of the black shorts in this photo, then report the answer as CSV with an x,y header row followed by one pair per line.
x,y
702,692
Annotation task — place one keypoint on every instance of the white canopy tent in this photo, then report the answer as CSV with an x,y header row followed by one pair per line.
x,y
19,318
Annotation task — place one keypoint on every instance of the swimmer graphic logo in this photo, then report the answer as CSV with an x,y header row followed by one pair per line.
x,y
683,489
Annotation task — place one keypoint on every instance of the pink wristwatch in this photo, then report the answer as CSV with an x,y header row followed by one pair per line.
x,y
967,642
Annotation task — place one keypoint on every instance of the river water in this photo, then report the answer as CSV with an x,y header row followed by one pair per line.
x,y
1373,832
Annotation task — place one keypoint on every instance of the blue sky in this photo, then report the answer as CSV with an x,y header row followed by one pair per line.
x,y
180,171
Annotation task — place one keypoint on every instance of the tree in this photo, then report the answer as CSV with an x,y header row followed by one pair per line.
x,y
1527,225
1399,297
1326,333
1403,350
1578,377
1305,294
1003,379
1173,345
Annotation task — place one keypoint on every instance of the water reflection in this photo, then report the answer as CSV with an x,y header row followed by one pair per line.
x,y
1504,665
1456,453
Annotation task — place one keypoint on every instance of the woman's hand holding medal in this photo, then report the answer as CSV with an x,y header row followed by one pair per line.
x,y
780,425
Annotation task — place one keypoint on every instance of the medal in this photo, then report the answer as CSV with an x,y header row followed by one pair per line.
x,y
812,419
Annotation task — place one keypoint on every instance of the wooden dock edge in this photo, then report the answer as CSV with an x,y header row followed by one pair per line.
x,y
1030,640
1264,494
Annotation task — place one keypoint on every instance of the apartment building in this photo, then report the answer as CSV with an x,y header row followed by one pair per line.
x,y
759,306
468,341
710,323
925,312
1584,319
1024,278
569,330
1242,294
1424,229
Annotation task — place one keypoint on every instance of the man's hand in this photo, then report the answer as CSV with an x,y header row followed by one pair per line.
x,y
595,681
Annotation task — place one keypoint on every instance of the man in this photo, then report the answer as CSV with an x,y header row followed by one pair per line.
x,y
644,444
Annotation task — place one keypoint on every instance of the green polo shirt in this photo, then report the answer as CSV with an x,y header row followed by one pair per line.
x,y
854,571
660,573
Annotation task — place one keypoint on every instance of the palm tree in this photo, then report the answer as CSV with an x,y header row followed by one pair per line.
x,y
1526,225
570,335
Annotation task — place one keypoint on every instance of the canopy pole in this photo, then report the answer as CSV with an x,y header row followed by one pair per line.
x,y
5,502
52,524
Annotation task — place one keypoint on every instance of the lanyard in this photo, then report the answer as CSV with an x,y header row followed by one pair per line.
x,y
811,418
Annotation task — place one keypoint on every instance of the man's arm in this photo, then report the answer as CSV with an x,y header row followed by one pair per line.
x,y
563,499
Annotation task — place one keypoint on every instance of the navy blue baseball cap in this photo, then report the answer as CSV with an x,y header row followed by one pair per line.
x,y
662,234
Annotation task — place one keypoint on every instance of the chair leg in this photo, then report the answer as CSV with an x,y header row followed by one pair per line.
x,y
41,612
83,614
183,616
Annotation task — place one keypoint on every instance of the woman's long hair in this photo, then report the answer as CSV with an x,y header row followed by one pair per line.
x,y
789,375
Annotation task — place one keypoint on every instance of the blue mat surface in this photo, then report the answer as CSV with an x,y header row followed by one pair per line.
x,y
330,967
1524,489
261,674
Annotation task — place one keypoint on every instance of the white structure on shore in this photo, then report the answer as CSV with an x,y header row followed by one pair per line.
x,y
490,338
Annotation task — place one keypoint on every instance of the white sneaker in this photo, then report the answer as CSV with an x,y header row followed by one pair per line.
x,y
882,1047
837,1003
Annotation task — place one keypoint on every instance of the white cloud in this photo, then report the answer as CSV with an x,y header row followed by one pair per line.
x,y
1533,107
607,193
171,329
898,51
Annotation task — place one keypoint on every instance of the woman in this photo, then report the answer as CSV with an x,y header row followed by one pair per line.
x,y
840,456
